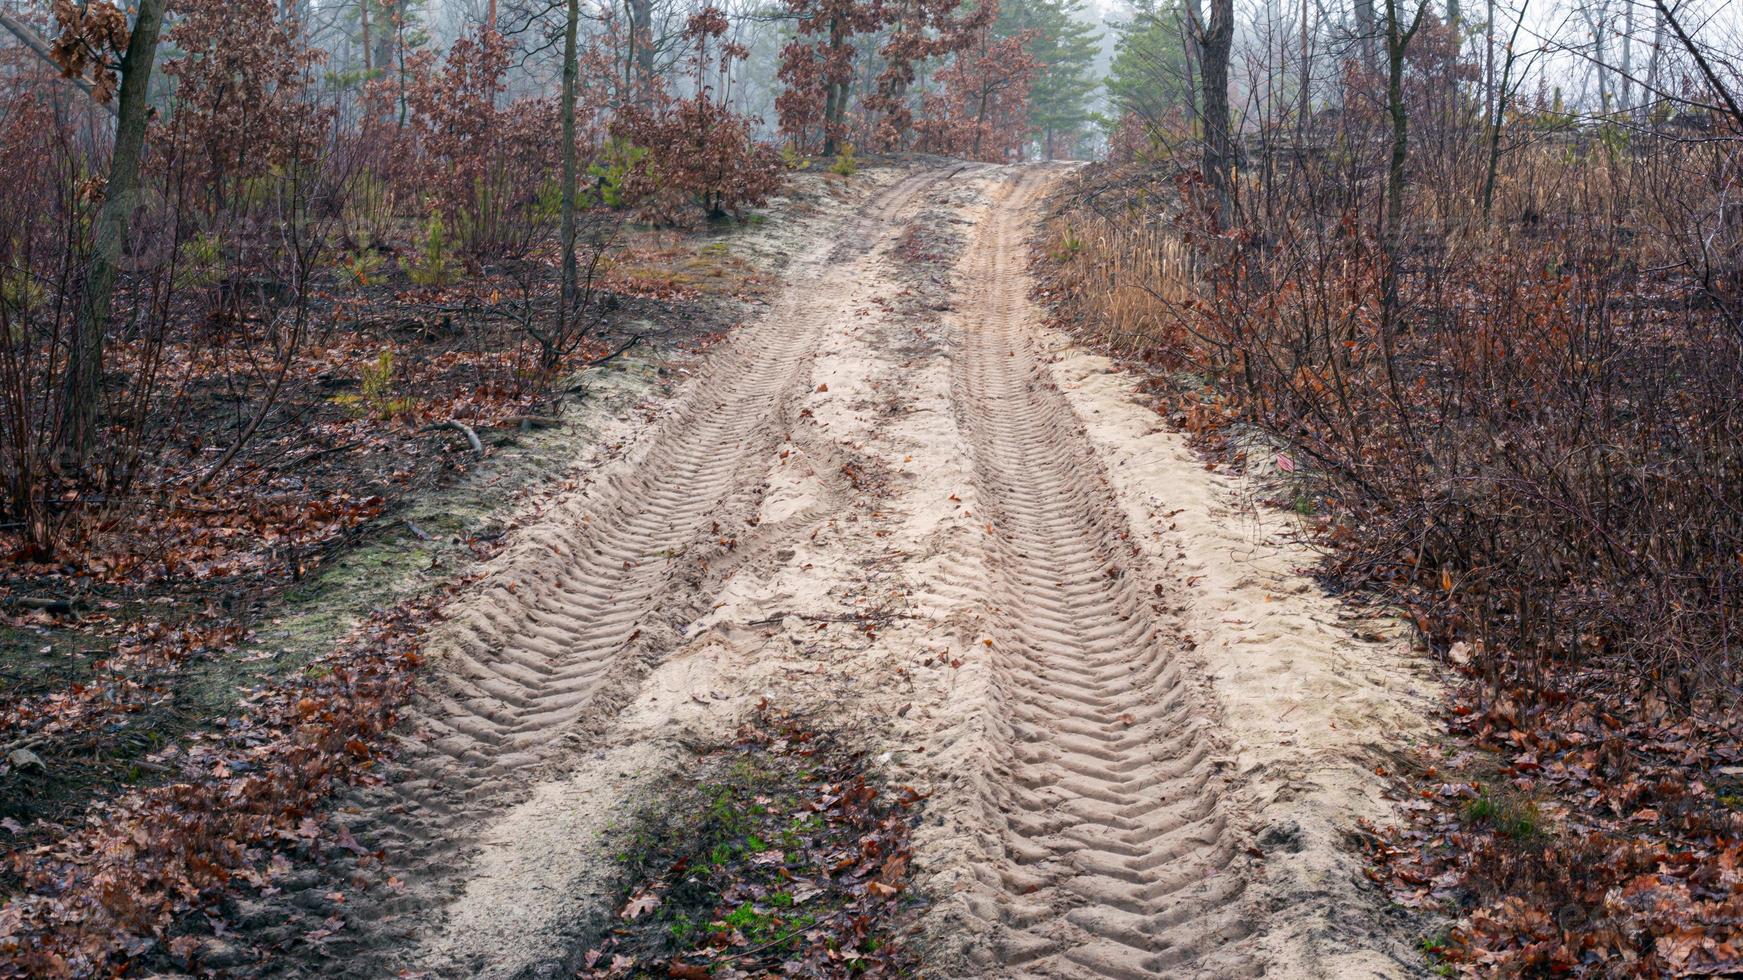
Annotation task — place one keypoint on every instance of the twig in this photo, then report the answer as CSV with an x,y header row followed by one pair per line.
x,y
307,458
838,913
27,742
460,427
266,407
601,360
38,46
45,603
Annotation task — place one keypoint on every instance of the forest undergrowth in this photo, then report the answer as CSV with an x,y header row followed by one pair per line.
x,y
275,276
1531,449
313,326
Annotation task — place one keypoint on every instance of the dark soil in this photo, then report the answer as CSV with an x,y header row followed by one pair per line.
x,y
785,855
168,603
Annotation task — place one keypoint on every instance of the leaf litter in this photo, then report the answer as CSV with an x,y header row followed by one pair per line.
x,y
786,855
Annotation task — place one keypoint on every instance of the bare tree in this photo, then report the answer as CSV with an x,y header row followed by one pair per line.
x,y
1215,41
571,167
83,391
39,46
1720,91
1498,114
1365,31
1398,38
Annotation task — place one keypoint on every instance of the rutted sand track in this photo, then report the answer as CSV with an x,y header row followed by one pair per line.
x,y
584,603
1120,855
859,457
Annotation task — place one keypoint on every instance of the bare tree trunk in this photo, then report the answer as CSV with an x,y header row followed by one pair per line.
x,y
1489,59
1397,43
1398,40
1656,58
829,119
628,94
399,46
1365,31
1498,117
1627,56
980,123
835,103
641,50
363,22
1597,22
1189,48
985,95
384,36
1215,42
571,166
84,378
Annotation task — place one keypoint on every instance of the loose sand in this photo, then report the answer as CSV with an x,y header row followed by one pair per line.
x,y
899,503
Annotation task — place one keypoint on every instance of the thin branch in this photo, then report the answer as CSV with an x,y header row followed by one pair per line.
x,y
1701,61
39,46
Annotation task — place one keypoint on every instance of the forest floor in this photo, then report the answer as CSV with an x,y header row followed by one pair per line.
x,y
893,633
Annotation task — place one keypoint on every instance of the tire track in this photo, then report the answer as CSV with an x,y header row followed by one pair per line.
x,y
580,609
1117,855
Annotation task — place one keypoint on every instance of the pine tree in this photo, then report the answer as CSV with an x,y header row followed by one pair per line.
x,y
1150,75
1065,45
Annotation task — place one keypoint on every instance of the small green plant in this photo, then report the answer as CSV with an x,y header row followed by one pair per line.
x,y
792,159
378,377
434,267
845,165
20,292
201,263
1067,248
377,397
548,207
359,268
618,159
1435,949
745,917
1516,818
1613,138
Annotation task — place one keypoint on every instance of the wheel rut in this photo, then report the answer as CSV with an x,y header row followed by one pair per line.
x,y
578,611
1025,665
1118,855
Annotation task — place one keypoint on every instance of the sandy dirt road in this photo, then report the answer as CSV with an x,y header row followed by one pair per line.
x,y
1133,773
1119,854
